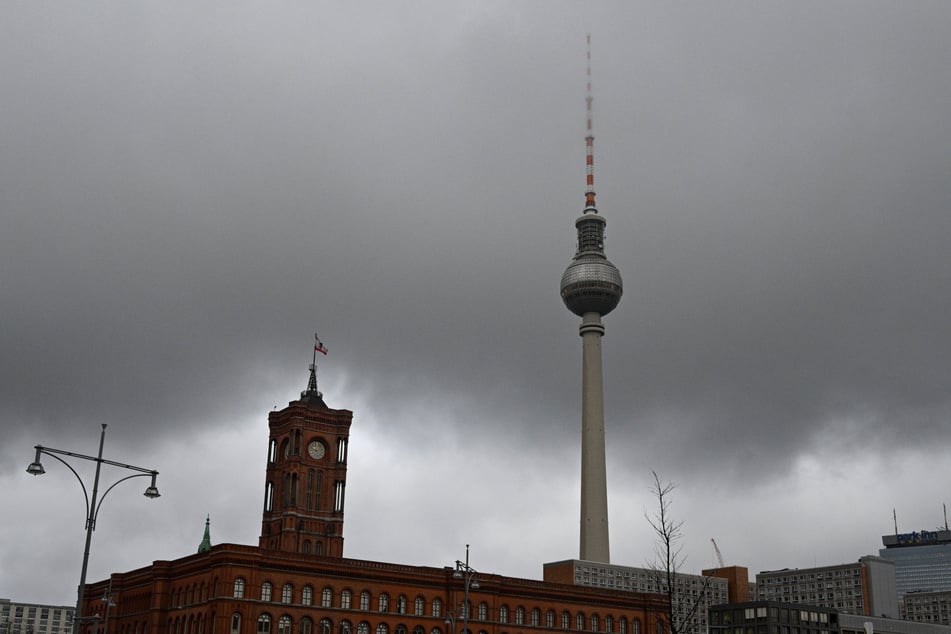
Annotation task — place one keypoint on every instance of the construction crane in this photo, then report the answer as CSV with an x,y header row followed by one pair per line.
x,y
716,549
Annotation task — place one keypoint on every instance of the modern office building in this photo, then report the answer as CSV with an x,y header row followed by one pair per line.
x,y
864,587
922,560
927,607
35,618
771,617
694,594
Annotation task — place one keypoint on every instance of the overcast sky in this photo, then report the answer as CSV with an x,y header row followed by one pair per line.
x,y
188,191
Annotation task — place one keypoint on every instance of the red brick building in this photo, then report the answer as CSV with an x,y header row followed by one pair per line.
x,y
296,581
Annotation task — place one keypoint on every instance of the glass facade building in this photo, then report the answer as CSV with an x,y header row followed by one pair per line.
x,y
922,560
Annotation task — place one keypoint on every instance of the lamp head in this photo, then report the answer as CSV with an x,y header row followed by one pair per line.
x,y
35,467
152,491
475,584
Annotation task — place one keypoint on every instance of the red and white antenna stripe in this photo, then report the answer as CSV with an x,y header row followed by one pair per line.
x,y
589,144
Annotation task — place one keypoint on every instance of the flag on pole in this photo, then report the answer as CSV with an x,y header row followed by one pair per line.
x,y
319,345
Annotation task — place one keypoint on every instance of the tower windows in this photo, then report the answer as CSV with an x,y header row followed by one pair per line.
x,y
272,450
290,489
238,588
269,497
342,450
235,623
338,496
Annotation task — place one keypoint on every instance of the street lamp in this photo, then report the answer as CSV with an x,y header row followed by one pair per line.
x,y
92,507
467,573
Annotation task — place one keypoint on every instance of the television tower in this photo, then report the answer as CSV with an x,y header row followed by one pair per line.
x,y
591,288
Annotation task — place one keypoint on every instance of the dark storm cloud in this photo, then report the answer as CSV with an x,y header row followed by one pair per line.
x,y
186,195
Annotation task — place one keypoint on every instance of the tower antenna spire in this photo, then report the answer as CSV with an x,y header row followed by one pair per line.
x,y
589,205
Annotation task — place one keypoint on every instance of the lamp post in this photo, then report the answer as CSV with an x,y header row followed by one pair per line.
x,y
468,574
92,506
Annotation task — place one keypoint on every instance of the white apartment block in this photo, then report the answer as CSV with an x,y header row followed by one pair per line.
x,y
35,618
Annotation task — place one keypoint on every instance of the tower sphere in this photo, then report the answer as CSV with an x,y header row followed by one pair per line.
x,y
591,284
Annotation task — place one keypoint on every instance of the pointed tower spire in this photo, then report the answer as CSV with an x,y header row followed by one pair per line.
x,y
591,288
312,395
205,544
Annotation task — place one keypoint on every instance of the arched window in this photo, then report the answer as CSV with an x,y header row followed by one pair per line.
x,y
284,625
435,630
595,622
326,597
287,594
635,627
483,613
550,618
325,627
419,607
381,628
307,596
238,588
520,615
466,610
363,628
579,621
565,620
264,624
235,623
622,625
419,630
504,614
345,627
306,626
609,624
365,601
383,604
306,547
437,608
346,599
400,608
400,629
659,626
266,590
536,617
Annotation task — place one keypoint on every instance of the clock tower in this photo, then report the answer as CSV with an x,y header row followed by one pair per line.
x,y
306,476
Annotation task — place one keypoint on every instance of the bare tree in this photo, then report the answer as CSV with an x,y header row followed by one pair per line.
x,y
685,601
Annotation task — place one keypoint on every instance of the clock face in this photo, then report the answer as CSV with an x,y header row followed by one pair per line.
x,y
316,449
